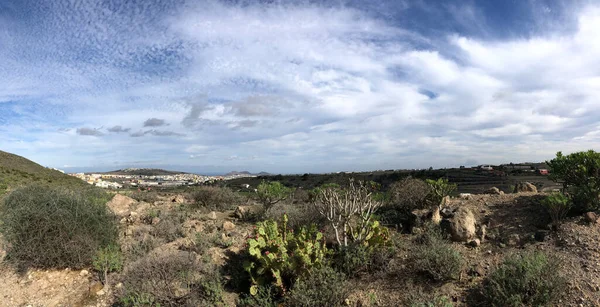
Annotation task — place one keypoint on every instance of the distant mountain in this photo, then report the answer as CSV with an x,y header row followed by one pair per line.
x,y
17,171
143,172
246,173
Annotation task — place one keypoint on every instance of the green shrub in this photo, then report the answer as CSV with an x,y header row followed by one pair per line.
x,y
438,190
435,257
108,259
145,196
55,228
279,256
580,175
215,198
323,286
557,205
403,197
271,192
265,296
527,279
177,279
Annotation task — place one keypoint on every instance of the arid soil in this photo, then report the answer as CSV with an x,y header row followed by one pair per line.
x,y
514,222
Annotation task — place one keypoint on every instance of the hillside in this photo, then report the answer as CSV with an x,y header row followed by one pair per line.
x,y
143,172
16,171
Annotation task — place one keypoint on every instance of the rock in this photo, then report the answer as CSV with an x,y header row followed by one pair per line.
x,y
228,226
513,240
212,215
95,287
525,187
121,205
465,195
590,217
83,273
155,220
493,191
447,213
119,286
540,235
446,200
477,270
178,199
239,212
474,243
128,232
462,226
482,231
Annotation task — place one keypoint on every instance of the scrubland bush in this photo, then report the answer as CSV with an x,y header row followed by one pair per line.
x,y
322,286
299,214
557,205
265,296
169,228
171,280
580,175
415,296
356,259
527,279
108,259
349,210
435,257
145,196
56,228
215,198
279,255
408,194
271,192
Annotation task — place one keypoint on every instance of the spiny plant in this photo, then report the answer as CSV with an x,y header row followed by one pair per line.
x,y
279,256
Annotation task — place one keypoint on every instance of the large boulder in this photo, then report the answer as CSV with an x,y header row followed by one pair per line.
x,y
121,205
462,226
525,187
493,191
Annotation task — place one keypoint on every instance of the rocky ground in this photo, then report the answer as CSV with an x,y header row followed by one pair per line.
x,y
513,222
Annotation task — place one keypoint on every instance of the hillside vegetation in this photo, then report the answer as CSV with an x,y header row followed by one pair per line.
x,y
16,171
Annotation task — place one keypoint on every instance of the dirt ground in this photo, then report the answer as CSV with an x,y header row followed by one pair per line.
x,y
513,221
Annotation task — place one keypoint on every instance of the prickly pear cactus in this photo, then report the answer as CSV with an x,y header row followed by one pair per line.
x,y
278,254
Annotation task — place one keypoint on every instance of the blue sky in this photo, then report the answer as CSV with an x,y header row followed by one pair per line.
x,y
297,86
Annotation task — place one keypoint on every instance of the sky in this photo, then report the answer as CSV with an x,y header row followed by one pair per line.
x,y
297,86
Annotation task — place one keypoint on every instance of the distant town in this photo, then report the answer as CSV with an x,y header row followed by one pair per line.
x,y
144,178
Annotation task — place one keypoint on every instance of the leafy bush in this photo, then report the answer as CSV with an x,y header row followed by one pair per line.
x,y
171,280
323,286
527,279
215,198
278,255
271,192
55,228
145,196
299,215
557,205
408,194
108,259
438,190
265,296
435,257
580,175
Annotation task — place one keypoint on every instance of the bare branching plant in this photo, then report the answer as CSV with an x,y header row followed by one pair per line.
x,y
349,210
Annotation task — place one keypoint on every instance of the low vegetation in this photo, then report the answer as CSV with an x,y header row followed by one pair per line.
x,y
56,228
215,198
579,174
525,279
558,206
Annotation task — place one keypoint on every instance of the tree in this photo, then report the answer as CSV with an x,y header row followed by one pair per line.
x,y
579,174
349,210
271,192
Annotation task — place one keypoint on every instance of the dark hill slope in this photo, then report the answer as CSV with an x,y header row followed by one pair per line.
x,y
17,171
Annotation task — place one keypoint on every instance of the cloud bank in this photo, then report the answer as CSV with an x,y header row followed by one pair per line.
x,y
298,86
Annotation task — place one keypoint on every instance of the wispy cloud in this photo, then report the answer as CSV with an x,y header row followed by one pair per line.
x,y
303,87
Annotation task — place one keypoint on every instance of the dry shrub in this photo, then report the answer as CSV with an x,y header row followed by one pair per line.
x,y
55,228
176,279
416,296
435,257
299,214
145,196
169,228
403,197
324,286
215,198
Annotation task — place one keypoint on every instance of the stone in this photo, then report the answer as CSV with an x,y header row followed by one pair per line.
x,y
95,287
155,220
121,205
474,243
465,195
493,191
212,215
590,217
513,240
83,273
228,226
178,199
239,212
525,187
462,226
447,213
482,231
477,270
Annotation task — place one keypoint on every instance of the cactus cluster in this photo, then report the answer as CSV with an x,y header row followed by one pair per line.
x,y
278,255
